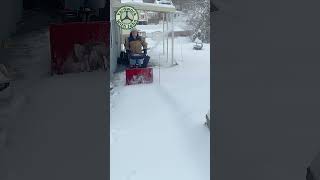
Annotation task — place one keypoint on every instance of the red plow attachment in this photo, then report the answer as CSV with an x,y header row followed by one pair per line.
x,y
139,76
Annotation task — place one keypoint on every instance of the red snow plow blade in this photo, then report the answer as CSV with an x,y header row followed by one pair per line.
x,y
139,76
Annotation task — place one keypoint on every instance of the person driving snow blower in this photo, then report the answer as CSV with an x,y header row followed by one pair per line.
x,y
134,45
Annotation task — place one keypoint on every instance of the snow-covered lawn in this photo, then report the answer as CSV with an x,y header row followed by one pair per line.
x,y
157,129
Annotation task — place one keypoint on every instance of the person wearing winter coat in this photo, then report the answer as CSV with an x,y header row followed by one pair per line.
x,y
136,44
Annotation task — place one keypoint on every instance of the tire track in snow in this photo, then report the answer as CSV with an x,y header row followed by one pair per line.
x,y
149,144
197,138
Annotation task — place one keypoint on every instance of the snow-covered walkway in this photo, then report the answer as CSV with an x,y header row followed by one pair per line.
x,y
157,130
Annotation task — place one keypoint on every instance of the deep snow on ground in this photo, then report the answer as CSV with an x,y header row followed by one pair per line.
x,y
55,125
157,129
60,133
55,134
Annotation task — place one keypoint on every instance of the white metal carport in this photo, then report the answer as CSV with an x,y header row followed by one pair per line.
x,y
115,39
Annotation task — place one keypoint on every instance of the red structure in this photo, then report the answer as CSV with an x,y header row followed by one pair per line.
x,y
64,36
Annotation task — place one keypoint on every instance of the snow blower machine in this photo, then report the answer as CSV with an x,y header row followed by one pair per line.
x,y
138,71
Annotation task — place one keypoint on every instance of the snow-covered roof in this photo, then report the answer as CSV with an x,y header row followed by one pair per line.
x,y
144,6
125,1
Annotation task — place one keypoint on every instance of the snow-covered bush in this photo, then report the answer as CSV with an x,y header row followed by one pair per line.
x,y
199,19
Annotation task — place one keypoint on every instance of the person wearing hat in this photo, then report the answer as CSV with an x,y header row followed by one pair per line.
x,y
136,44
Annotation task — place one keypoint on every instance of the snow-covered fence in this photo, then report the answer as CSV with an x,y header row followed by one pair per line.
x,y
157,36
182,33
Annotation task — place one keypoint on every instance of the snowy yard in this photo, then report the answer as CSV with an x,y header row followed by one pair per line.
x,y
157,130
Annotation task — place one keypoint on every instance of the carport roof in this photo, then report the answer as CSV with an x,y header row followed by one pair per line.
x,y
145,6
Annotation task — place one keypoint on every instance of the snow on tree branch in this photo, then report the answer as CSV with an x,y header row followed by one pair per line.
x,y
199,19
